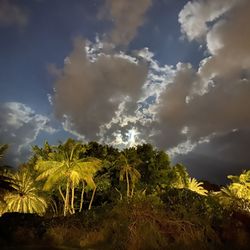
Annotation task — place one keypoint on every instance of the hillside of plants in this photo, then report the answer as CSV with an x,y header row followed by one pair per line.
x,y
94,196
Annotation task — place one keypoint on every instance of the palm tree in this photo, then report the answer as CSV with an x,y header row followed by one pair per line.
x,y
236,195
196,186
4,179
130,173
3,148
25,197
65,167
179,178
227,197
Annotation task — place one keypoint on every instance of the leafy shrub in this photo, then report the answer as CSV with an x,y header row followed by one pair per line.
x,y
202,211
145,223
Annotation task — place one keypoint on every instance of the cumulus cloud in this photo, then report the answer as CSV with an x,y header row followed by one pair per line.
x,y
214,98
127,17
124,99
196,16
12,15
91,86
170,112
19,127
229,43
138,118
109,97
199,110
222,108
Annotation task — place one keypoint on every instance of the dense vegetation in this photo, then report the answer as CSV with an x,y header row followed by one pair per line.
x,y
93,195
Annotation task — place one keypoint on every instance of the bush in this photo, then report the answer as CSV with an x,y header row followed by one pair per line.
x,y
145,223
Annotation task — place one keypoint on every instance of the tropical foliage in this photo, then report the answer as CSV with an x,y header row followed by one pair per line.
x,y
178,177
25,197
64,167
4,178
3,148
129,173
135,193
196,186
237,194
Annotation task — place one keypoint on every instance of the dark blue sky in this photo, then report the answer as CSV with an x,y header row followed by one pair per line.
x,y
125,72
47,38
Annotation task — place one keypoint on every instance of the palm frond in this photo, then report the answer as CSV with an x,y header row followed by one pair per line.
x,y
24,198
3,148
90,182
196,186
49,168
42,165
58,177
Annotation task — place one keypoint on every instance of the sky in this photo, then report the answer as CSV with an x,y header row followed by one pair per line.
x,y
175,74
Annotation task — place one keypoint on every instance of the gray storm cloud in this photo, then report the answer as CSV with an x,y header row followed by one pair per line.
x,y
212,101
89,92
100,95
196,15
171,110
19,127
12,15
229,43
225,154
127,17
223,108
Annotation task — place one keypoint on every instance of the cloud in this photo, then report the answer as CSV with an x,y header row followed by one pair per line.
x,y
223,155
214,98
92,85
125,99
19,127
138,118
12,15
198,108
127,17
171,109
109,97
196,16
228,41
222,108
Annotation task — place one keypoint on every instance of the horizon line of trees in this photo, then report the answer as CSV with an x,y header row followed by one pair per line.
x,y
72,177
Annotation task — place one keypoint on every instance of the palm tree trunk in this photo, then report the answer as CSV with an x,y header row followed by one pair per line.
x,y
119,194
64,200
127,179
66,205
54,207
61,193
72,198
92,198
81,203
132,191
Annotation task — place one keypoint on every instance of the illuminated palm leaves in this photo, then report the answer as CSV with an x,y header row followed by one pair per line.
x,y
130,173
237,194
178,176
179,179
196,186
66,168
4,179
25,197
3,148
